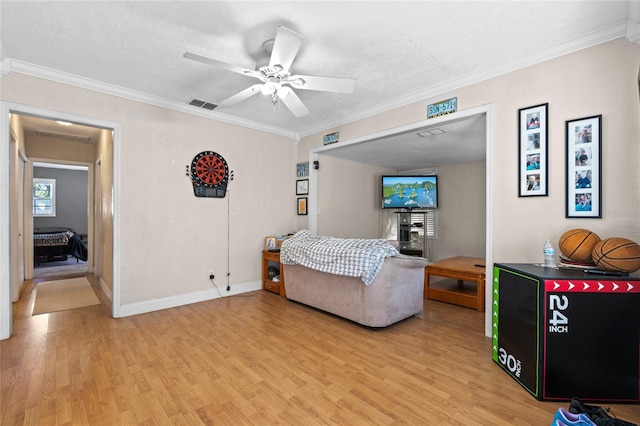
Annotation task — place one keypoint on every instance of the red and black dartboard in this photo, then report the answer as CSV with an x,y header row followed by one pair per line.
x,y
209,175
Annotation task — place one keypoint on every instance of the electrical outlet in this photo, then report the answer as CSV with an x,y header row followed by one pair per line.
x,y
211,275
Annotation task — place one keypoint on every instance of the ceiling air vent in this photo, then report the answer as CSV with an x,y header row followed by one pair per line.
x,y
74,138
432,132
202,104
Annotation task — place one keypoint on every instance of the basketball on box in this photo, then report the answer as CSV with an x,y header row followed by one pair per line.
x,y
617,254
577,244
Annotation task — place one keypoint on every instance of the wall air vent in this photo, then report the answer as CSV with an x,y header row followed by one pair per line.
x,y
202,104
72,138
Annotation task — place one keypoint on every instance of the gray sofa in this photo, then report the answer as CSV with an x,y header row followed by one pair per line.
x,y
396,293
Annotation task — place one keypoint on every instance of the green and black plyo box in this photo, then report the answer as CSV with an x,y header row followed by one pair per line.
x,y
565,333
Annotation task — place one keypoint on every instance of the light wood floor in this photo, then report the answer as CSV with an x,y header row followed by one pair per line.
x,y
257,359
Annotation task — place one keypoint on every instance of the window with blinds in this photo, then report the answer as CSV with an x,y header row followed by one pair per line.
x,y
44,197
428,228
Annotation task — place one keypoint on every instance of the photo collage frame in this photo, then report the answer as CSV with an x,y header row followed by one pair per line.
x,y
583,154
532,151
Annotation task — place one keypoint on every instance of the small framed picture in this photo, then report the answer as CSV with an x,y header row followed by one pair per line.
x,y
532,151
302,169
302,206
331,138
302,187
270,242
583,149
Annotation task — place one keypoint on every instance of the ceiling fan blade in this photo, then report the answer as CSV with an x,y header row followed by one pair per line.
x,y
292,101
285,48
324,84
241,96
223,65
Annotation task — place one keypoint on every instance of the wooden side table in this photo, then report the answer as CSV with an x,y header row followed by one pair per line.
x,y
267,283
461,268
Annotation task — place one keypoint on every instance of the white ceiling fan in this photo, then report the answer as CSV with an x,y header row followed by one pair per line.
x,y
275,75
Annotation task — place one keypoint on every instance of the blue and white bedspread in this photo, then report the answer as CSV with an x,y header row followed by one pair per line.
x,y
351,257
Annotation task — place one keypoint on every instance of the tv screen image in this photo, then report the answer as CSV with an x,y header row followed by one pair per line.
x,y
410,192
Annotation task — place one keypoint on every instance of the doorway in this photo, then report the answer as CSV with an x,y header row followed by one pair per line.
x,y
10,116
72,217
371,146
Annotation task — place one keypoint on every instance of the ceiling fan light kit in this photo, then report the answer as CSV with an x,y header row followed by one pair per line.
x,y
274,73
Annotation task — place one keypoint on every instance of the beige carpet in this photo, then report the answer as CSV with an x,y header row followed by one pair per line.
x,y
61,295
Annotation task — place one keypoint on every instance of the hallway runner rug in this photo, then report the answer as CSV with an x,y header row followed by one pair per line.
x,y
61,295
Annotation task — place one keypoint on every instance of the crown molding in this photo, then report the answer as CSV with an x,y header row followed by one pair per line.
x,y
633,31
608,34
13,65
628,28
633,22
5,67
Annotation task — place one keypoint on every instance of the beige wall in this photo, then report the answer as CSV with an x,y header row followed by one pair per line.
x,y
599,80
349,199
169,240
59,149
461,211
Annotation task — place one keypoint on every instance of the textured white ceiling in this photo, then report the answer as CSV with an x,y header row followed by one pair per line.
x,y
398,51
456,141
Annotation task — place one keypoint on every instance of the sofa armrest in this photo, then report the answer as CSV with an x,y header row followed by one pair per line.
x,y
406,261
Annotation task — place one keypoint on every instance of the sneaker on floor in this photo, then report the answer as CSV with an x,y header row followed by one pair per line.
x,y
598,415
566,418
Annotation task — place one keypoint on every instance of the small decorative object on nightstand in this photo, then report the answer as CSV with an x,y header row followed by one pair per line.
x,y
273,281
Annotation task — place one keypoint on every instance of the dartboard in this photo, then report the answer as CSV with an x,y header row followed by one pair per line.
x,y
209,174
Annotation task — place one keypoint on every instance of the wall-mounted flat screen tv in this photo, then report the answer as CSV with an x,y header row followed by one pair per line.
x,y
410,192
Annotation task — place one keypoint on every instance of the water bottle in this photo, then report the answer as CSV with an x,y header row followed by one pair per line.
x,y
549,255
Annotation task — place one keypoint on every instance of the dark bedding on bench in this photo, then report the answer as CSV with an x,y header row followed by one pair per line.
x,y
54,242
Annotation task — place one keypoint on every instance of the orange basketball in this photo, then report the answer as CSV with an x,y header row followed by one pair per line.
x,y
617,254
577,244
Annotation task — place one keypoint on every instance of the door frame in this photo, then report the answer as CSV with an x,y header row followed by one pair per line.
x,y
21,259
28,213
6,255
485,110
17,176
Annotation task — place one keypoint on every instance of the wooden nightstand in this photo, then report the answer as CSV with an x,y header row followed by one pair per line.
x,y
272,258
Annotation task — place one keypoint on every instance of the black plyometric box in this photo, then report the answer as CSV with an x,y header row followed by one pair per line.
x,y
565,333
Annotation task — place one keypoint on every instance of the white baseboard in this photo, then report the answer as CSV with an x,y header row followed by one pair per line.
x,y
186,299
106,290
